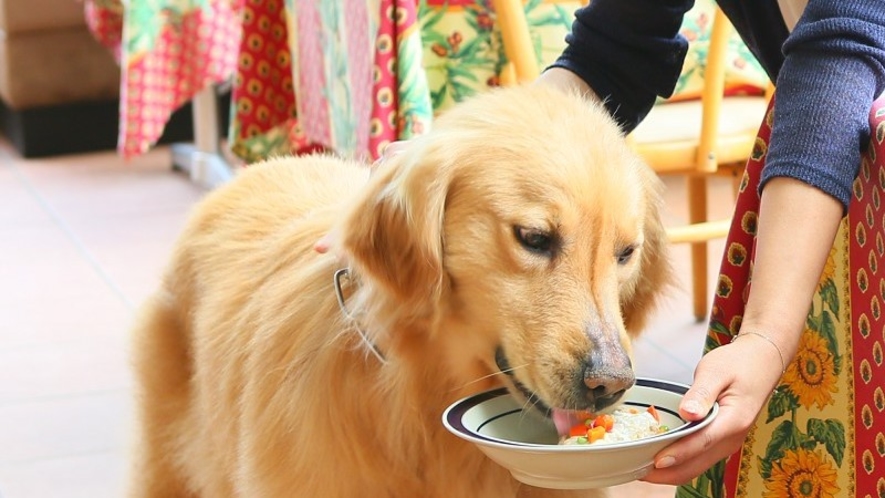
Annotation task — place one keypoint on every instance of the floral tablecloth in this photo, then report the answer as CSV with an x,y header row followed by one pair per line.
x,y
168,51
347,76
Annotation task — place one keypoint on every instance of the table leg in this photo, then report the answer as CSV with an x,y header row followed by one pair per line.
x,y
203,159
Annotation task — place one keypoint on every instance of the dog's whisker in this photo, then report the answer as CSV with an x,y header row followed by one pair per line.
x,y
488,376
513,369
528,405
484,377
478,379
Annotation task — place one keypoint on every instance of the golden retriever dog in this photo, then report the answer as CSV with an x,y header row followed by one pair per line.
x,y
518,243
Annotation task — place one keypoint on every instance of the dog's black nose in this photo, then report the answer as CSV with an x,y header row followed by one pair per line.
x,y
607,380
605,390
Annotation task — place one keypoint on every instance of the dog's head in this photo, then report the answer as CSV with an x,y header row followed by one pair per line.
x,y
525,235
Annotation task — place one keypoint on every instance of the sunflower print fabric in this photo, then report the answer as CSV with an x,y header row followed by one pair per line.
x,y
822,433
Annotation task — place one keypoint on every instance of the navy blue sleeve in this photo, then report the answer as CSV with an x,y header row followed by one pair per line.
x,y
833,71
629,52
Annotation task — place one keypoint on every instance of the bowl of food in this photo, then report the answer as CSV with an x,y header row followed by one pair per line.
x,y
589,450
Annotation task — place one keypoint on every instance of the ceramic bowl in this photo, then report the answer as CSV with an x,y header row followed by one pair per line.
x,y
525,442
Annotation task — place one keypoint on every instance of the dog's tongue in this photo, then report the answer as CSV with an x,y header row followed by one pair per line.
x,y
564,420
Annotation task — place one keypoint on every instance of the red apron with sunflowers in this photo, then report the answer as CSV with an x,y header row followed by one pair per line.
x,y
822,433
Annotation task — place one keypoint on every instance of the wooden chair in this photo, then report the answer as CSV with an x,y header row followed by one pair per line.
x,y
523,66
710,136
697,139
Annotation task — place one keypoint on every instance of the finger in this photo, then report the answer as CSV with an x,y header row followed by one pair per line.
x,y
691,456
684,472
677,464
389,151
706,389
323,245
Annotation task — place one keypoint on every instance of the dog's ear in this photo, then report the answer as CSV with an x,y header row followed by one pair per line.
x,y
394,233
655,272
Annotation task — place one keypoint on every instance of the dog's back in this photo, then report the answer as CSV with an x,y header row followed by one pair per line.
x,y
188,356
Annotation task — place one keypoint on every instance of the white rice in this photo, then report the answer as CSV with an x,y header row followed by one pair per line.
x,y
630,424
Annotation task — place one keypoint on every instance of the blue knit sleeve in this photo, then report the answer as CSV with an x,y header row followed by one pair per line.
x,y
833,71
629,52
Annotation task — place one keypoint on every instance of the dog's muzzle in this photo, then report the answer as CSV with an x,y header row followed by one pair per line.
x,y
504,365
596,388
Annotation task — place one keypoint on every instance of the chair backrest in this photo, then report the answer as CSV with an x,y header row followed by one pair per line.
x,y
516,39
708,145
692,136
712,94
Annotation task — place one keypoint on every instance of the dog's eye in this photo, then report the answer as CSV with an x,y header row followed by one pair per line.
x,y
625,255
534,240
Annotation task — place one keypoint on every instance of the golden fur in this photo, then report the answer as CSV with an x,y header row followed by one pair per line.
x,y
521,224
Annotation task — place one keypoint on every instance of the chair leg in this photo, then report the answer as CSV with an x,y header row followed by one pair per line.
x,y
697,213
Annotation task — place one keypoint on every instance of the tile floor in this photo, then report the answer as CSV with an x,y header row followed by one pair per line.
x,y
82,242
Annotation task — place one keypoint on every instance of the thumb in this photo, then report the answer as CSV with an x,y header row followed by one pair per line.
x,y
705,390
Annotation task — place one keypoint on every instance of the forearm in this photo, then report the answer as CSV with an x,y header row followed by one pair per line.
x,y
629,52
834,69
832,73
796,227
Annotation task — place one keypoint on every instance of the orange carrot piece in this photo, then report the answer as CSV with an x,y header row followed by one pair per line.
x,y
606,421
595,434
584,415
654,412
578,430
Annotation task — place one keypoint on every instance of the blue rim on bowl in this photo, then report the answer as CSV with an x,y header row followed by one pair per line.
x,y
454,415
